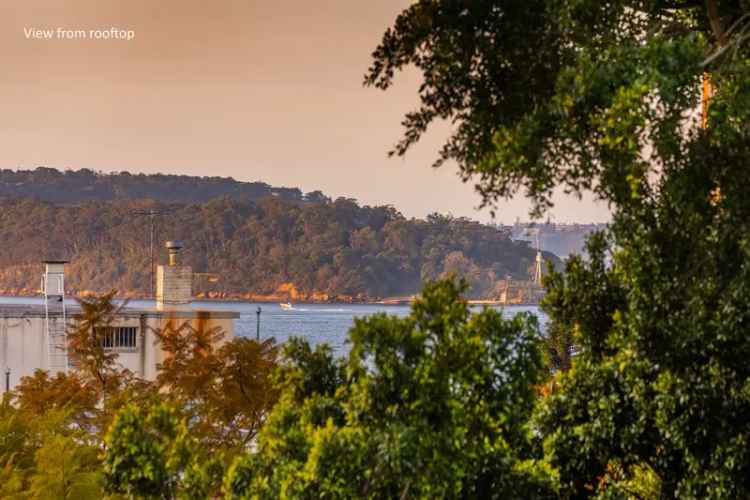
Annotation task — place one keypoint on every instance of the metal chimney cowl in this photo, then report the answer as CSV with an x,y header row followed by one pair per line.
x,y
174,248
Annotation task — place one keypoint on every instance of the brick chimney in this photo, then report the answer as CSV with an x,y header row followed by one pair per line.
x,y
174,282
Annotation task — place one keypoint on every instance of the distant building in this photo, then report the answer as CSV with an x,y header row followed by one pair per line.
x,y
34,336
560,239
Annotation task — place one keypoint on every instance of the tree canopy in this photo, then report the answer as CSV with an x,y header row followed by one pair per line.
x,y
645,104
101,429
76,186
271,249
579,94
434,405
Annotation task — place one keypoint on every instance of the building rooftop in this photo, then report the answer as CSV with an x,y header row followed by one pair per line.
x,y
37,310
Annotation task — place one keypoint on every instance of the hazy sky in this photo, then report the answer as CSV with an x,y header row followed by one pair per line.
x,y
256,90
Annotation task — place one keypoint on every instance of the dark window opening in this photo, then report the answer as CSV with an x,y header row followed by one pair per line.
x,y
118,337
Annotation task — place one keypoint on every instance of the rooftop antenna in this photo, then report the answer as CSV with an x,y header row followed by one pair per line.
x,y
151,213
55,315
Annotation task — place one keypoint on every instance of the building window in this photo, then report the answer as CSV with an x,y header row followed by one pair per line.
x,y
119,338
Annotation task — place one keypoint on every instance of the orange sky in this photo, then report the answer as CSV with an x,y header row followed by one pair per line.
x,y
255,90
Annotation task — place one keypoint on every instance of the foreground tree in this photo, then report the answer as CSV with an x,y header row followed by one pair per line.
x,y
225,388
87,340
605,96
38,394
547,94
47,455
52,429
246,393
434,405
151,454
66,469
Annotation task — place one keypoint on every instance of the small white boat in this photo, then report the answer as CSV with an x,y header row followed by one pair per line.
x,y
287,306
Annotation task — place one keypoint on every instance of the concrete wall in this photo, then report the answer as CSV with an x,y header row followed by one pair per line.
x,y
23,346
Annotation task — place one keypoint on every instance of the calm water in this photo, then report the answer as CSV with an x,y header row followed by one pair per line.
x,y
318,323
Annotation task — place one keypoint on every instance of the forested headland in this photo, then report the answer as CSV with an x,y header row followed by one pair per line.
x,y
76,186
270,248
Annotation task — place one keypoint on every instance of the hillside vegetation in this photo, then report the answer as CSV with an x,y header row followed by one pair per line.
x,y
75,186
270,249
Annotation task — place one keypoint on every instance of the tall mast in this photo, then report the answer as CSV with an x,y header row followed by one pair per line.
x,y
538,267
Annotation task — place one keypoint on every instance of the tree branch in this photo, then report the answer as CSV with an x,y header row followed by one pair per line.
x,y
712,9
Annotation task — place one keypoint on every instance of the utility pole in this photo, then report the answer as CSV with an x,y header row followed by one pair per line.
x,y
7,380
257,325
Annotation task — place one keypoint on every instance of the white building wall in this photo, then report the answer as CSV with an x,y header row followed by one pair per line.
x,y
23,346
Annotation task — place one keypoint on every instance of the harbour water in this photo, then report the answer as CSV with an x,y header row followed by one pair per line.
x,y
318,323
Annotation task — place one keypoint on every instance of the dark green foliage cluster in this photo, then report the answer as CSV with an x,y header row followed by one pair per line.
x,y
151,453
146,451
549,93
582,300
669,363
324,250
608,97
47,454
434,405
485,65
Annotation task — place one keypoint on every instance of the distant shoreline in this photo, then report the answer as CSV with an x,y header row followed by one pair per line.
x,y
374,302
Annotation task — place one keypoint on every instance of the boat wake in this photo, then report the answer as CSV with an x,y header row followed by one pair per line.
x,y
318,310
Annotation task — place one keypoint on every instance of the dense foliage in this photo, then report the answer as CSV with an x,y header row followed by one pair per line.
x,y
606,96
317,251
434,405
101,430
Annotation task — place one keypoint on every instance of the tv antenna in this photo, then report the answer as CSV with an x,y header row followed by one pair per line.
x,y
152,214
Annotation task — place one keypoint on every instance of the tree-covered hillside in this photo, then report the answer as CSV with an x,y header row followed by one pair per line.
x,y
74,186
272,248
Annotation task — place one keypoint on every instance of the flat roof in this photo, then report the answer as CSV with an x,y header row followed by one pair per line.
x,y
37,311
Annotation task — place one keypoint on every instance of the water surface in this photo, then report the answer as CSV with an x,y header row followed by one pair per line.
x,y
317,323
